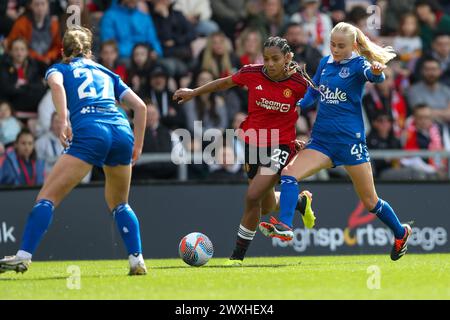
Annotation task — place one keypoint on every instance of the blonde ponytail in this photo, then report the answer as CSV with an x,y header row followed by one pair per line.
x,y
365,47
77,41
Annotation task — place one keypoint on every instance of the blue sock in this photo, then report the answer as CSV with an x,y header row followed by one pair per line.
x,y
288,199
128,225
37,224
386,214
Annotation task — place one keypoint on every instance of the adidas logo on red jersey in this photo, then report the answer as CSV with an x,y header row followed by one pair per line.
x,y
259,87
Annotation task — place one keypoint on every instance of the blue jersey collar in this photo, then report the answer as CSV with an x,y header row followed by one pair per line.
x,y
353,56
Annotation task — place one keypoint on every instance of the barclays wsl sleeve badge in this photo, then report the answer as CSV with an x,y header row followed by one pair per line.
x,y
344,73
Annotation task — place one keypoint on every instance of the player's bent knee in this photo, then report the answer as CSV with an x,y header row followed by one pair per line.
x,y
253,198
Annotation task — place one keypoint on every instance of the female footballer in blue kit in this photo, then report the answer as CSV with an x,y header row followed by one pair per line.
x,y
338,136
98,135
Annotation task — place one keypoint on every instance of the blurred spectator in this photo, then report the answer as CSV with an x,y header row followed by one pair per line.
x,y
10,10
109,54
218,57
57,7
175,33
142,62
20,78
85,17
408,46
228,13
48,147
303,52
432,20
2,156
157,140
424,134
9,125
97,6
198,13
359,17
440,50
225,166
46,108
235,101
249,50
249,47
316,24
336,9
382,137
21,166
445,6
431,92
271,21
384,98
158,93
189,150
238,144
207,108
391,12
41,32
127,25
291,6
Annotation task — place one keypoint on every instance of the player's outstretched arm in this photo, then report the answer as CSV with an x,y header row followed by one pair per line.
x,y
185,94
139,108
56,84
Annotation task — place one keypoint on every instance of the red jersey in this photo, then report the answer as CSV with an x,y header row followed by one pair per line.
x,y
271,105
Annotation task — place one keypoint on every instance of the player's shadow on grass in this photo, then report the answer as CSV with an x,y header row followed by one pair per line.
x,y
233,267
33,279
53,278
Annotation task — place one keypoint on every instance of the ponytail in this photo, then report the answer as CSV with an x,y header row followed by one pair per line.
x,y
371,51
365,47
77,42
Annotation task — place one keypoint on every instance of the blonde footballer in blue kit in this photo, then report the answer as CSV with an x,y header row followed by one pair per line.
x,y
338,136
98,134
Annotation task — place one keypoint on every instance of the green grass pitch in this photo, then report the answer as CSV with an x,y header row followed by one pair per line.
x,y
330,277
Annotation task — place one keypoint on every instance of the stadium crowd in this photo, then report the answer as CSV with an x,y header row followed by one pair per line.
x,y
157,46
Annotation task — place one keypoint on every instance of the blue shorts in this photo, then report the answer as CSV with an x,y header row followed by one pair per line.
x,y
341,154
102,144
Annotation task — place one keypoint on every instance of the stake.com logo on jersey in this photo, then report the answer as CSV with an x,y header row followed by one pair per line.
x,y
332,97
360,232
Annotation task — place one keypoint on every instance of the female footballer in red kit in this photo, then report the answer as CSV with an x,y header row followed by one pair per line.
x,y
268,132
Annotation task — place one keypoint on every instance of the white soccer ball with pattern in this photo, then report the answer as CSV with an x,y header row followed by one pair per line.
x,y
195,249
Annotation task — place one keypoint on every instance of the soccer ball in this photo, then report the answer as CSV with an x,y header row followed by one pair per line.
x,y
195,249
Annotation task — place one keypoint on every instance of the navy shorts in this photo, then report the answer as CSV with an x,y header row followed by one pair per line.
x,y
102,144
341,154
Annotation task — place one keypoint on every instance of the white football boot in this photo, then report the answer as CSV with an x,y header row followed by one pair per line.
x,y
137,265
14,263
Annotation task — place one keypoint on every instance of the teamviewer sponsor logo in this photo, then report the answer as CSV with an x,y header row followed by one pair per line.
x,y
273,105
6,233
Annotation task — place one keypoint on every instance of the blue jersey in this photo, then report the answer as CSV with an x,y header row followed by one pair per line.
x,y
91,91
341,84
